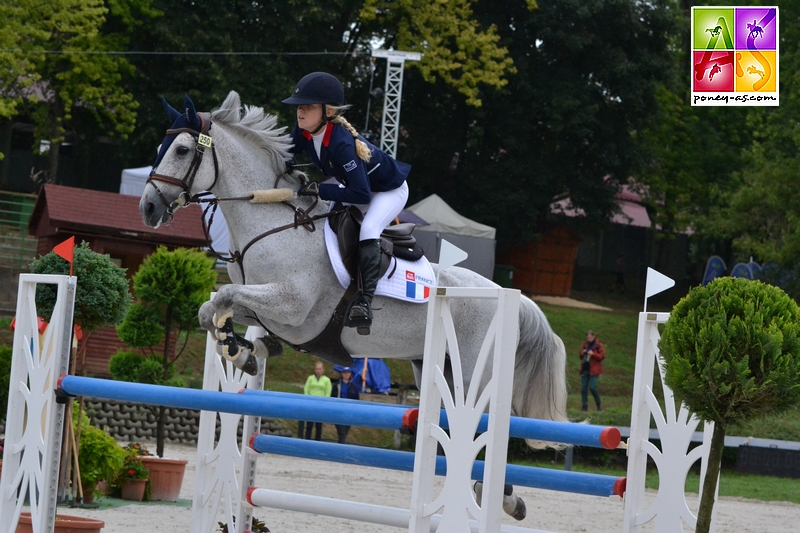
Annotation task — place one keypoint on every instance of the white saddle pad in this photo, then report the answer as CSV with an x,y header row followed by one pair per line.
x,y
410,281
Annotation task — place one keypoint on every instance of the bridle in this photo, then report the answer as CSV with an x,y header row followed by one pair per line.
x,y
203,141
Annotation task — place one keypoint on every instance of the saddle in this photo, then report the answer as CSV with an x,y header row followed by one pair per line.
x,y
396,241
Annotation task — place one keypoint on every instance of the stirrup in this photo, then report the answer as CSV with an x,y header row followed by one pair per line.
x,y
362,320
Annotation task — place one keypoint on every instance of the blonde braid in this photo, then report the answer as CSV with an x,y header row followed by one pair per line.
x,y
362,150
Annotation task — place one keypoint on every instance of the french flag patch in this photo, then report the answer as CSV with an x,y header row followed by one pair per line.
x,y
414,290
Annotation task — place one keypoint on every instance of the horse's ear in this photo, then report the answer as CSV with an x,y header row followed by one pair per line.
x,y
172,113
191,113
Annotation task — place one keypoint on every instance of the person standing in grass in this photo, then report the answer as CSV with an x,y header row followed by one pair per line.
x,y
592,355
317,384
347,389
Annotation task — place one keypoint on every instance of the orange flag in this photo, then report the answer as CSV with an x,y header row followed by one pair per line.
x,y
66,250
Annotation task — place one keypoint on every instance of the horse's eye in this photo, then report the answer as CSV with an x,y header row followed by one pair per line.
x,y
182,150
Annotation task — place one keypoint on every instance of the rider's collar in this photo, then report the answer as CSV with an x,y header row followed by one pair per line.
x,y
326,139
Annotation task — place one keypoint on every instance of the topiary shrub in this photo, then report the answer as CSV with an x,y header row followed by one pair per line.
x,y
732,353
170,287
101,298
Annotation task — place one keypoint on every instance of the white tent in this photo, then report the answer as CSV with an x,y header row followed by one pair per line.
x,y
477,239
133,183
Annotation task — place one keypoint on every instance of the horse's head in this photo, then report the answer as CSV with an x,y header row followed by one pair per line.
x,y
180,170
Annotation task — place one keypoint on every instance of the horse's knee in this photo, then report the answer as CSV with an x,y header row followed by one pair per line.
x,y
206,316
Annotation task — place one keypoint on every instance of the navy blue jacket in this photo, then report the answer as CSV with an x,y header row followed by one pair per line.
x,y
351,392
338,159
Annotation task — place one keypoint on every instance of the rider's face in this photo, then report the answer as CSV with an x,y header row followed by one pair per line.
x,y
309,116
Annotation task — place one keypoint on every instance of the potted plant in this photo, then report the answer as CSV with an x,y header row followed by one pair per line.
x,y
132,478
99,457
170,287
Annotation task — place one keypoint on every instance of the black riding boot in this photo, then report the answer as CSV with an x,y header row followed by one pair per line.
x,y
370,264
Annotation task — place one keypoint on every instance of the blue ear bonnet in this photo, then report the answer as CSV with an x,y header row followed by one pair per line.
x,y
189,120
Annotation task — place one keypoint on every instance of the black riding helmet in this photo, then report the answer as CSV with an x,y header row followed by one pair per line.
x,y
317,88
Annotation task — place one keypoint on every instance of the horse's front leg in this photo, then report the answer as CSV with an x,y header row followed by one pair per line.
x,y
241,304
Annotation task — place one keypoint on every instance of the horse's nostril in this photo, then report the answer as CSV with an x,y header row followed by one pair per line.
x,y
150,208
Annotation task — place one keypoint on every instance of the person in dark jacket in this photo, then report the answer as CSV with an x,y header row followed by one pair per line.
x,y
592,355
367,177
345,389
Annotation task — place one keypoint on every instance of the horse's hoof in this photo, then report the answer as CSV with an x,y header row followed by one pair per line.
x,y
250,366
363,330
515,510
521,511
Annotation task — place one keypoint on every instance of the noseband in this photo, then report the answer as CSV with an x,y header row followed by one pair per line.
x,y
202,141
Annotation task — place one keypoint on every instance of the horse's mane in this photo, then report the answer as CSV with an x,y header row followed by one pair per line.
x,y
257,127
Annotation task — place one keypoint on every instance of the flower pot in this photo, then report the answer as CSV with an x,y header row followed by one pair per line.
x,y
133,490
166,477
89,490
64,524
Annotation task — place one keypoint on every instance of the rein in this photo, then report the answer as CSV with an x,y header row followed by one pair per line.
x,y
203,141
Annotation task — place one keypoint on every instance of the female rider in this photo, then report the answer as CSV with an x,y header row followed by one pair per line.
x,y
368,177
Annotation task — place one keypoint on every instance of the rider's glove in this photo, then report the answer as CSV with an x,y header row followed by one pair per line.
x,y
309,189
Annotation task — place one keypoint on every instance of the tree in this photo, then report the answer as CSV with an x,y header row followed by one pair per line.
x,y
455,47
567,123
753,205
102,297
63,65
170,287
732,352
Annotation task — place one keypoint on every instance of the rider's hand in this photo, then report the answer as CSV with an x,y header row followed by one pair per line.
x,y
309,189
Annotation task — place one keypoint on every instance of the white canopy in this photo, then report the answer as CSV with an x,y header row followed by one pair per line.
x,y
444,219
133,183
446,224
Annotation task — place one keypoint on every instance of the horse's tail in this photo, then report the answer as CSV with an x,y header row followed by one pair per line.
x,y
540,382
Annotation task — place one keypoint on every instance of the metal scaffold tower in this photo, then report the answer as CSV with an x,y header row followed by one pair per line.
x,y
390,125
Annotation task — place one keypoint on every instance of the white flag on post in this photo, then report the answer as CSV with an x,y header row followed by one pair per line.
x,y
449,255
656,283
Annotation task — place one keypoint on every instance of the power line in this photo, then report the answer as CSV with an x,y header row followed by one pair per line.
x,y
153,53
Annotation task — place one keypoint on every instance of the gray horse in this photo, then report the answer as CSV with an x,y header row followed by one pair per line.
x,y
282,279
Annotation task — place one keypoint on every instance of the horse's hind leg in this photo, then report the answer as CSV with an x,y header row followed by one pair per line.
x,y
513,505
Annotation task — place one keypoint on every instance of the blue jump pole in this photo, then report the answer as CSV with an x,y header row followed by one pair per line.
x,y
366,415
524,428
527,476
326,410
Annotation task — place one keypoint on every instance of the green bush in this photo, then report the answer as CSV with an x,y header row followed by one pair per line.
x,y
99,455
732,350
132,367
101,298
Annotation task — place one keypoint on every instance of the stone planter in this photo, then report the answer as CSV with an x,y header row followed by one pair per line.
x,y
166,477
64,524
133,490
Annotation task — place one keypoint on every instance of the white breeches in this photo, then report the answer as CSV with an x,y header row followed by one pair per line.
x,y
382,210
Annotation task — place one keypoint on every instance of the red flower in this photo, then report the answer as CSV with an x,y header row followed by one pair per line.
x,y
131,472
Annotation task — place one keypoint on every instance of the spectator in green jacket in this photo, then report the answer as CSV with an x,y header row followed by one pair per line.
x,y
316,385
